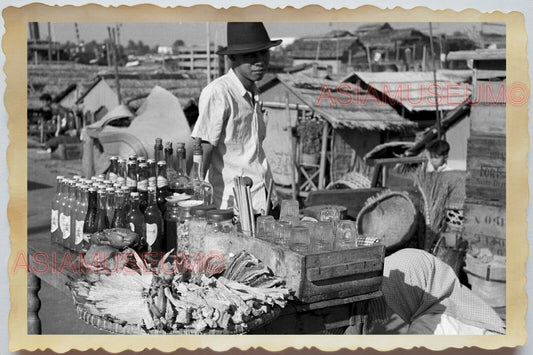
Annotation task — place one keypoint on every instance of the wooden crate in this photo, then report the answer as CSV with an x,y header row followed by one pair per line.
x,y
487,119
484,226
486,168
314,277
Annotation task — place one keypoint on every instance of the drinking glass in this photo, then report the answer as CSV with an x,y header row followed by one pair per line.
x,y
282,233
345,235
265,227
329,213
300,240
289,208
323,237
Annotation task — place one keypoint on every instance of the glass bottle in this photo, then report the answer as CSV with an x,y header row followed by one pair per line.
x,y
135,219
142,185
133,158
65,215
121,171
201,189
89,225
131,178
152,172
79,219
162,185
73,212
126,192
54,213
169,159
119,216
110,203
180,184
113,169
153,224
172,221
101,214
158,149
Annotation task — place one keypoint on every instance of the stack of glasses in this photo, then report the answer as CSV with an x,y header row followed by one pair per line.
x,y
305,237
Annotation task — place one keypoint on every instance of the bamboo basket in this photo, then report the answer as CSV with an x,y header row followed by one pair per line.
x,y
115,326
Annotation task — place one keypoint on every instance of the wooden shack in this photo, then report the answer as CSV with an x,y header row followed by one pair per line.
x,y
351,129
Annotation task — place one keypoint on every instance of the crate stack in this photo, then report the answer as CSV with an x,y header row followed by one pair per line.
x,y
484,208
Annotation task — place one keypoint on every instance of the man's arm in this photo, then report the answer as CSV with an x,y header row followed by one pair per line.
x,y
208,150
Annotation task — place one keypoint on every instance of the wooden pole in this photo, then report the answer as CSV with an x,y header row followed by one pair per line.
x,y
368,58
293,148
112,40
208,51
49,43
439,130
323,155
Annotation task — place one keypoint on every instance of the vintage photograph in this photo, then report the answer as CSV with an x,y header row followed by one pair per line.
x,y
266,178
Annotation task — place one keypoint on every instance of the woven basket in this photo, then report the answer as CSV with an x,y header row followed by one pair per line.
x,y
352,180
390,217
116,327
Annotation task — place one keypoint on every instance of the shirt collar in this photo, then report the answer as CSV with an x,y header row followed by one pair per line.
x,y
238,84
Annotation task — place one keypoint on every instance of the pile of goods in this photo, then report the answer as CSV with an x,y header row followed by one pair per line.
x,y
164,301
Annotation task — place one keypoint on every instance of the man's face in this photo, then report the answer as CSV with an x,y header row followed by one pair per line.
x,y
252,66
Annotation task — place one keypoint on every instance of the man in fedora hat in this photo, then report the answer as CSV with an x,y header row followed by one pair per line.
x,y
230,121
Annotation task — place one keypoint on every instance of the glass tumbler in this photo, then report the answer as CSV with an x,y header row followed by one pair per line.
x,y
289,208
323,237
345,235
282,233
265,227
329,213
300,241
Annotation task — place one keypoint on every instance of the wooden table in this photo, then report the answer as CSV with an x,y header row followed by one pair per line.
x,y
54,264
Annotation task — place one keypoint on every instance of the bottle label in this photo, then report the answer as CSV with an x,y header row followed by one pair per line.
x,y
152,181
54,223
162,181
197,158
151,233
79,232
132,227
121,180
142,185
65,225
131,182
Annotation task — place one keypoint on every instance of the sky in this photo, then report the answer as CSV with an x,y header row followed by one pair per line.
x,y
194,33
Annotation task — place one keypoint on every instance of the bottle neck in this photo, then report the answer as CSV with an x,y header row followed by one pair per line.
x,y
84,197
180,167
119,201
102,201
135,203
92,203
197,171
168,157
162,178
152,197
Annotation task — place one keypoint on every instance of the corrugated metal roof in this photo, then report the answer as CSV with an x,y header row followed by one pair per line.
x,y
478,54
415,90
364,112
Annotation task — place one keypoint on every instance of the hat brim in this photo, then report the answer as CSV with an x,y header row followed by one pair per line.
x,y
247,48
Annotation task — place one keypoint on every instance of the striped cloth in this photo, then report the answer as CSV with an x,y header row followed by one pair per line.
x,y
420,288
363,241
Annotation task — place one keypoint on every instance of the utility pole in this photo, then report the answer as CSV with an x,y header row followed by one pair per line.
x,y
49,43
113,47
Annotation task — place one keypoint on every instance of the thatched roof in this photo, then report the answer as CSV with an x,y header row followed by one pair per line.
x,y
363,113
326,47
414,90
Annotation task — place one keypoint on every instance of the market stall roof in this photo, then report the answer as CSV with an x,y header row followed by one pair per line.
x,y
414,90
363,112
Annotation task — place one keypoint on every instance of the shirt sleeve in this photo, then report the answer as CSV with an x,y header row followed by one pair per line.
x,y
212,113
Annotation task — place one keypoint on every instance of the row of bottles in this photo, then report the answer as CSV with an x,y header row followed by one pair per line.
x,y
82,207
131,195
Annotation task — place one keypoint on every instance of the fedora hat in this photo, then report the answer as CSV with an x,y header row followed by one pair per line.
x,y
247,37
